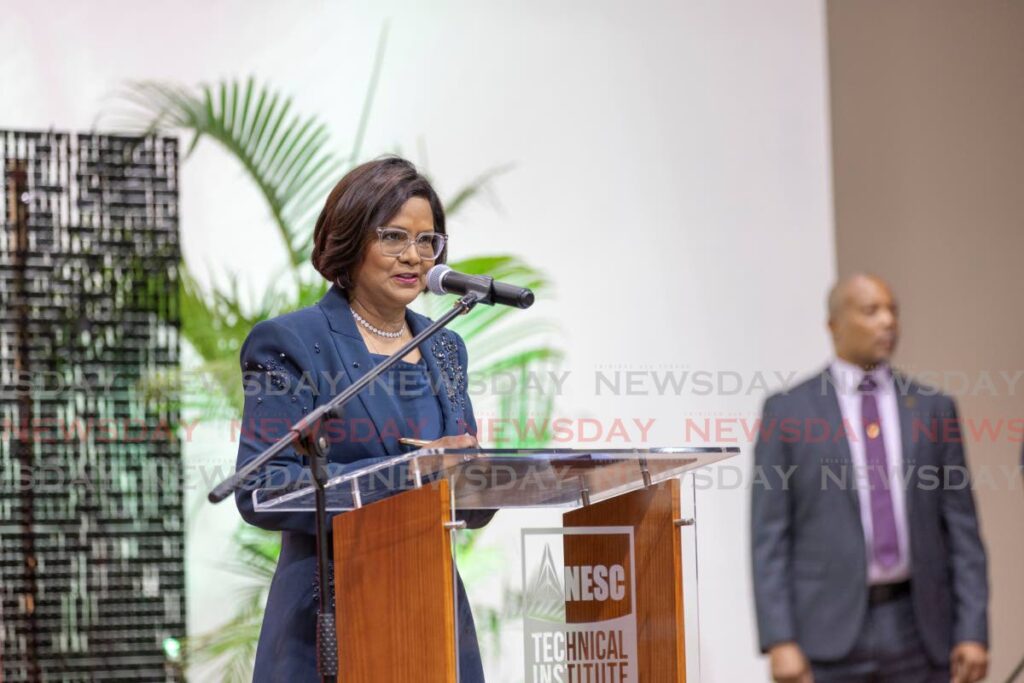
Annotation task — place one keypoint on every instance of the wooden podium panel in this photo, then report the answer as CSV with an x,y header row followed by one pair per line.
x,y
393,590
658,560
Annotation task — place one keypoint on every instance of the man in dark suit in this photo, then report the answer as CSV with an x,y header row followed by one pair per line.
x,y
867,562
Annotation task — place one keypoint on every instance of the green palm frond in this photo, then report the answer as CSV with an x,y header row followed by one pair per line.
x,y
287,155
488,349
522,360
531,410
216,323
232,645
311,292
476,563
258,550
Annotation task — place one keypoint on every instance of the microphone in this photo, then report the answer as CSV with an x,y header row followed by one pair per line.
x,y
443,280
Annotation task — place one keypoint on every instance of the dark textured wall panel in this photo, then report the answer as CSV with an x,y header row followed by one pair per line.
x,y
92,560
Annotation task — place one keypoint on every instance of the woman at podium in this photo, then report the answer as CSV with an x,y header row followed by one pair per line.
x,y
381,228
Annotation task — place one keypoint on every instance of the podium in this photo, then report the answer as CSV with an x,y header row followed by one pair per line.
x,y
599,537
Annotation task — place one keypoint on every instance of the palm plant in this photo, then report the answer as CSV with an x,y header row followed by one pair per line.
x,y
232,647
292,161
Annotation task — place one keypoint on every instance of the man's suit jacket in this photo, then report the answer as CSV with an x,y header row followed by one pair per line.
x,y
809,556
290,365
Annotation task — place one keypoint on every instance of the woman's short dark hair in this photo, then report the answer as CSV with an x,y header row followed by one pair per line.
x,y
367,197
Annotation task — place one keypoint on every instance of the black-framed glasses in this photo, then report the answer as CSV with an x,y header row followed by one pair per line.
x,y
394,242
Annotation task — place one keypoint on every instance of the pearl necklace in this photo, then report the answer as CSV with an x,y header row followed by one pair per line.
x,y
376,330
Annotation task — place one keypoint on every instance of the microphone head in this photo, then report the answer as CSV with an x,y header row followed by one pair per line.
x,y
435,279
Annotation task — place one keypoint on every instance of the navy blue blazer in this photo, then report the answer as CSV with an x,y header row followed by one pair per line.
x,y
809,556
290,365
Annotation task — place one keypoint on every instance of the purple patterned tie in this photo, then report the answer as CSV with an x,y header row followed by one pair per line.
x,y
885,544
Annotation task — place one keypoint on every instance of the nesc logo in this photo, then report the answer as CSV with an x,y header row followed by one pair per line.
x,y
595,583
579,624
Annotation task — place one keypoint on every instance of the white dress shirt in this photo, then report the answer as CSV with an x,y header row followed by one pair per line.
x,y
846,377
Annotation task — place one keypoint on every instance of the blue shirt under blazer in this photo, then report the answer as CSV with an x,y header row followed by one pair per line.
x,y
290,365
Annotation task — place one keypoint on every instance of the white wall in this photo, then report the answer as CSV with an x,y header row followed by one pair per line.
x,y
671,174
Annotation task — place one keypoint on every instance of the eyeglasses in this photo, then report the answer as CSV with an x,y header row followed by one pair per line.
x,y
394,242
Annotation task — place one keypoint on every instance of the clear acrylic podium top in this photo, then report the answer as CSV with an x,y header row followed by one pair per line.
x,y
499,478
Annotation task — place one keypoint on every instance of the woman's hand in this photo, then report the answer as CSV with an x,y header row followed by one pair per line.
x,y
453,442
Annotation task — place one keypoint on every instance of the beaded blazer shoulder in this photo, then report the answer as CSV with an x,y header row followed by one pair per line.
x,y
445,350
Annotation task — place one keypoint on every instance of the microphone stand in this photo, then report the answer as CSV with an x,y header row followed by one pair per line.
x,y
305,438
